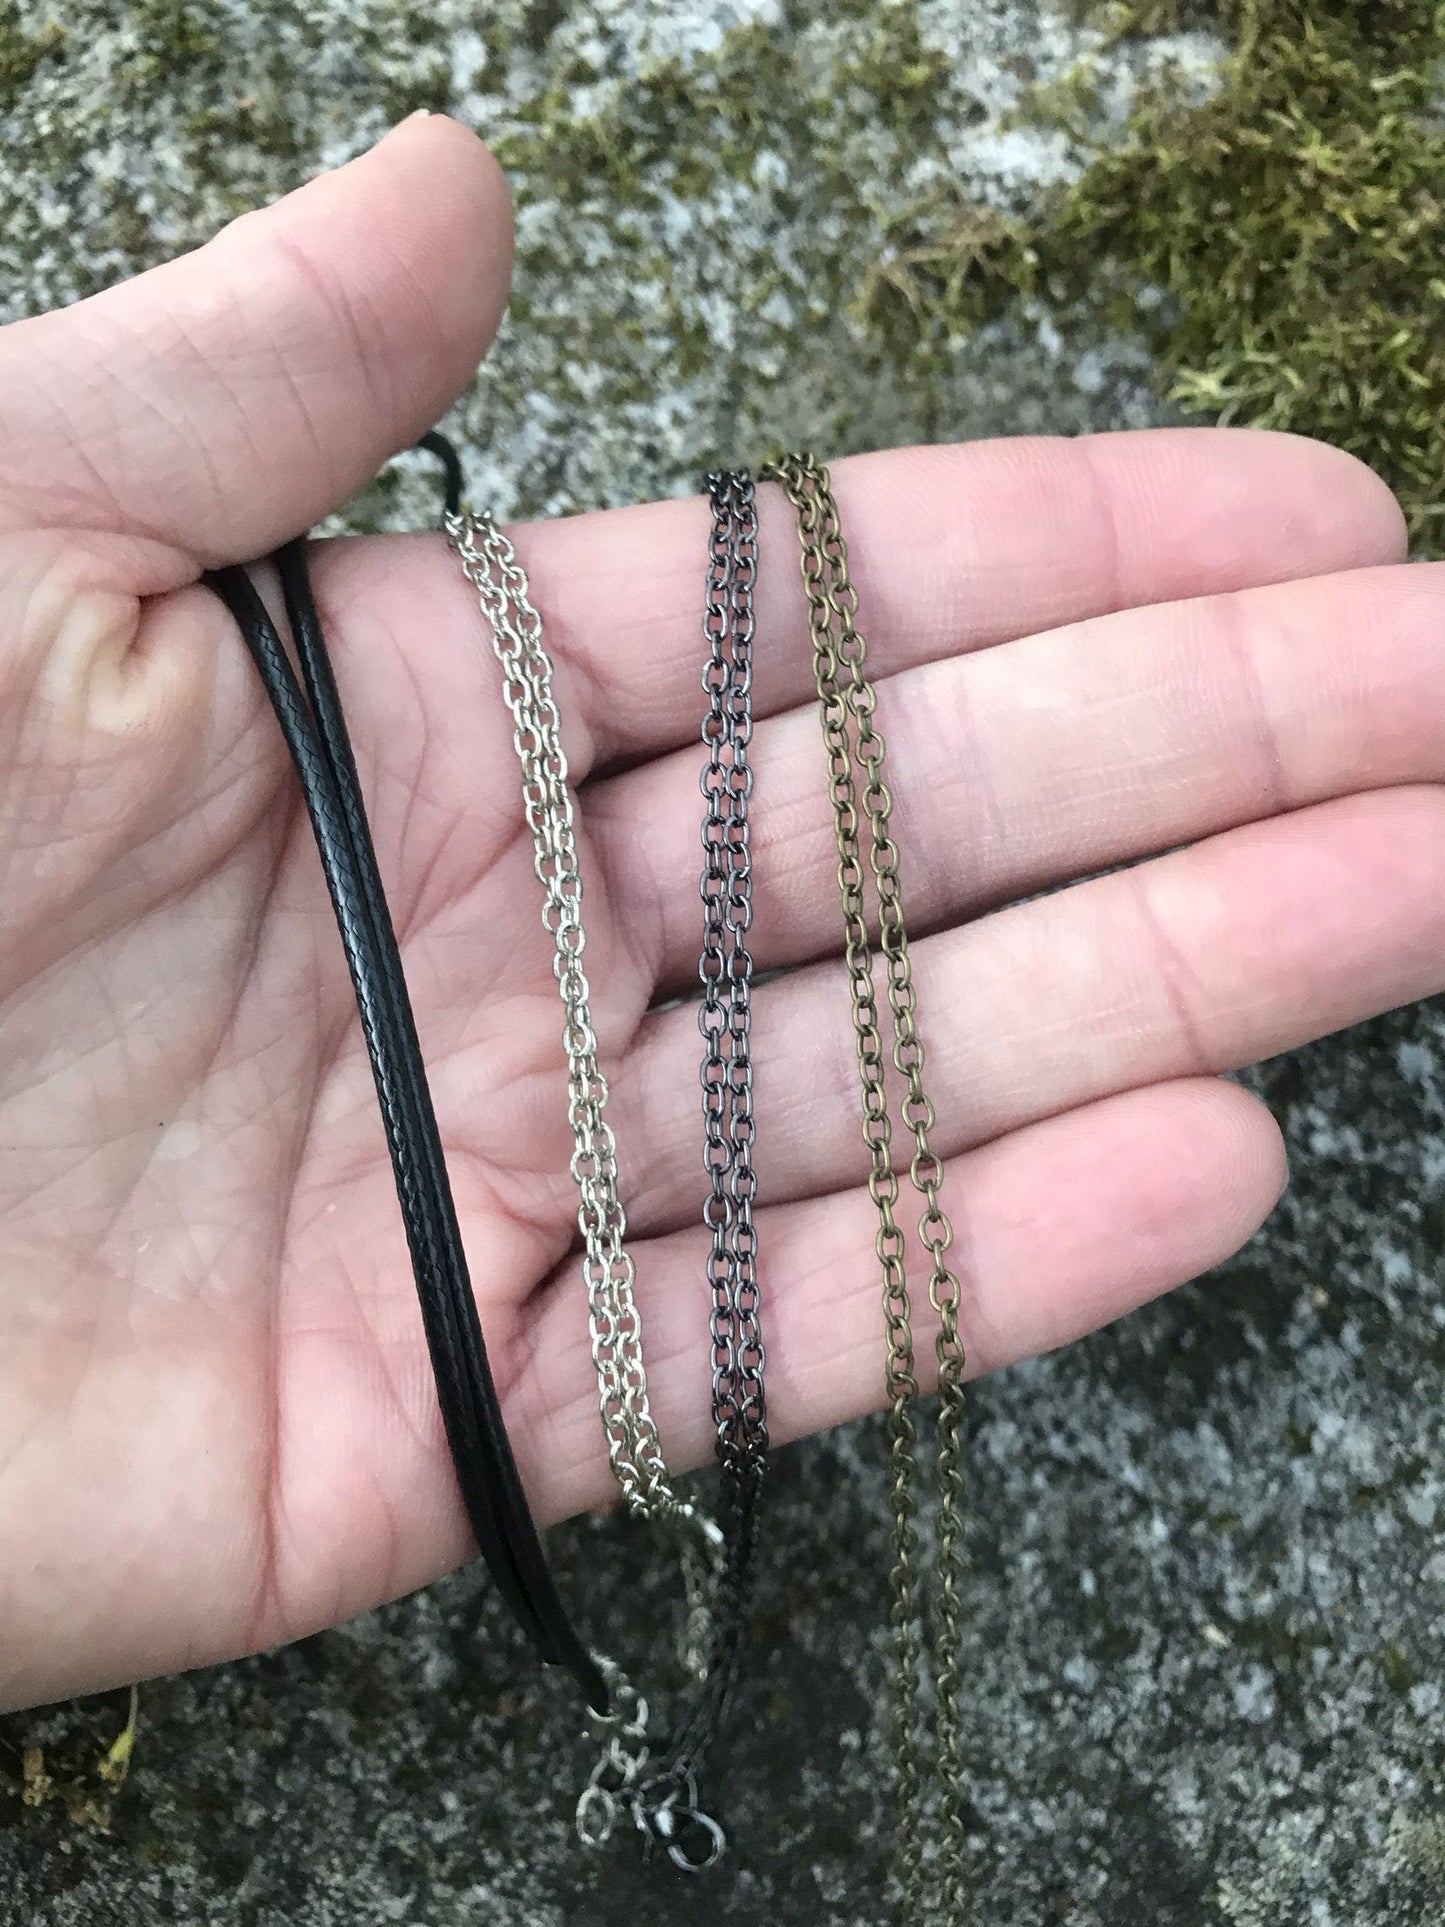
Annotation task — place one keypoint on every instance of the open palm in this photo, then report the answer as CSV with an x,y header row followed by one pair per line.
x,y
1165,695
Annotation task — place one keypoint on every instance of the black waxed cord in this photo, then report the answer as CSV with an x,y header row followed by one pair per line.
x,y
315,731
451,462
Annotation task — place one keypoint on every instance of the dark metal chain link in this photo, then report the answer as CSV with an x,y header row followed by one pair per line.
x,y
725,1020
855,750
726,970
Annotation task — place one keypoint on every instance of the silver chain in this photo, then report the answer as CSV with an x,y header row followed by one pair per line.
x,y
626,1750
633,1446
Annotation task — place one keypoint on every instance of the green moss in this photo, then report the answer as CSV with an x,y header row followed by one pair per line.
x,y
1127,19
945,264
1396,1666
1279,242
901,74
171,38
1285,1647
1288,1652
22,50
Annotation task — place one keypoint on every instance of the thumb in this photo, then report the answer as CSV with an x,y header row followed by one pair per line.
x,y
218,405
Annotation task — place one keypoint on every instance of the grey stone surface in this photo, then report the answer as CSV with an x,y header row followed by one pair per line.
x,y
1209,1585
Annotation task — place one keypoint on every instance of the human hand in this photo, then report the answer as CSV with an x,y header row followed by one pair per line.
x,y
218,1427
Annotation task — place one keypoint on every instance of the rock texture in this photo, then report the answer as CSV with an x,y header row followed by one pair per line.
x,y
1209,1586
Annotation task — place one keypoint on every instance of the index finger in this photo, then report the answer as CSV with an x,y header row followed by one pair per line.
x,y
952,548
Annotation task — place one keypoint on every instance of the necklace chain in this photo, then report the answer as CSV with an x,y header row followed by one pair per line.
x,y
633,1446
725,1020
666,1804
726,970
855,750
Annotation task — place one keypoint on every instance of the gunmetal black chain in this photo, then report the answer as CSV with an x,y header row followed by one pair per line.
x,y
725,1020
855,746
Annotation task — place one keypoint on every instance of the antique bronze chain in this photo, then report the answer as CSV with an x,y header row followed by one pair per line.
x,y
855,749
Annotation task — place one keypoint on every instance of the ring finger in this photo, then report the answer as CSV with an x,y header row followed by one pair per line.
x,y
1204,960
1018,767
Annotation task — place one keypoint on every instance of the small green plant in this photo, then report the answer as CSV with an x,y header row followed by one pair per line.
x,y
73,1777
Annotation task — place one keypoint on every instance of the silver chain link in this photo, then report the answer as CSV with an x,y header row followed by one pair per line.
x,y
626,1750
633,1446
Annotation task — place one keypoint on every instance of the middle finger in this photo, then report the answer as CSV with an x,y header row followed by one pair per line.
x,y
1016,768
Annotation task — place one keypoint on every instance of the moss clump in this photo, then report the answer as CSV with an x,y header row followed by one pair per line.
x,y
1126,19
946,264
1395,1665
1277,234
22,50
1294,222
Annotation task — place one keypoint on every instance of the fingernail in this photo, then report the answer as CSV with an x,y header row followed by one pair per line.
x,y
421,113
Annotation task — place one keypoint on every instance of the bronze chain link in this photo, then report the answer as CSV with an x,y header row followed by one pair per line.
x,y
855,749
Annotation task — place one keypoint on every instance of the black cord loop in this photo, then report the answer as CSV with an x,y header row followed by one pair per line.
x,y
315,731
